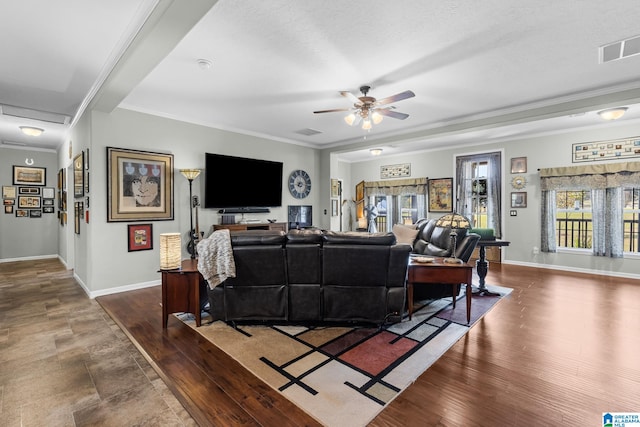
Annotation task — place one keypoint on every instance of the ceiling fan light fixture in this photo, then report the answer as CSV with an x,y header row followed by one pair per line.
x,y
613,113
376,117
350,119
375,151
31,131
366,124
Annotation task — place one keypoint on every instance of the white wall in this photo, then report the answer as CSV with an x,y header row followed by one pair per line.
x,y
28,237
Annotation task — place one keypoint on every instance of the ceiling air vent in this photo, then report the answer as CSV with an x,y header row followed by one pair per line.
x,y
27,113
308,132
619,50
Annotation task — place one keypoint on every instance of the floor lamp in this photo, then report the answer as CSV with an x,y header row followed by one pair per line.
x,y
191,174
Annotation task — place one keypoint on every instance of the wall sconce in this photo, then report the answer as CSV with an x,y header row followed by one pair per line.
x,y
170,251
613,113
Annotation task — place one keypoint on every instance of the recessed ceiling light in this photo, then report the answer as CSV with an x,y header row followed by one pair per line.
x,y
31,131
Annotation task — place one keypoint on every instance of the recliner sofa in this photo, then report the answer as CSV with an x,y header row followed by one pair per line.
x,y
313,276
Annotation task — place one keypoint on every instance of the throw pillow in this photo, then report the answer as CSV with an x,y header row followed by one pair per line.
x,y
405,233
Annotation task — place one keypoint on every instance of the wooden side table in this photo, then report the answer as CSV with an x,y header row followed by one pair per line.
x,y
439,271
181,291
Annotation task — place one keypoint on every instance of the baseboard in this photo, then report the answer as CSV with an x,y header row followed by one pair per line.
x,y
29,258
572,269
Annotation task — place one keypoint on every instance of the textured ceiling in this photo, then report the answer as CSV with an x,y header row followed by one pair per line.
x,y
481,71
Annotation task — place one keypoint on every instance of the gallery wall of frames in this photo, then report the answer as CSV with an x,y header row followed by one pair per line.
x,y
29,197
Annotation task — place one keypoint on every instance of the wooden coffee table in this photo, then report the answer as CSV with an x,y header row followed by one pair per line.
x,y
439,271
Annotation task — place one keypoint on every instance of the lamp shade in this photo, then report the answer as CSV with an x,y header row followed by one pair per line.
x,y
190,174
170,251
453,220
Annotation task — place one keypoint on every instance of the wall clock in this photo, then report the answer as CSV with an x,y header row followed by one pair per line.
x,y
299,184
518,182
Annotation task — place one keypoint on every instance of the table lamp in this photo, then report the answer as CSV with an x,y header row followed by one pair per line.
x,y
453,221
170,251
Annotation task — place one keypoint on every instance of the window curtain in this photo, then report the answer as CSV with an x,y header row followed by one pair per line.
x,y
393,188
494,184
606,182
548,226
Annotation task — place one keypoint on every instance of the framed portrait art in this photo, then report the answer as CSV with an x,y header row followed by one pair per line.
x,y
441,195
140,237
518,165
139,185
519,199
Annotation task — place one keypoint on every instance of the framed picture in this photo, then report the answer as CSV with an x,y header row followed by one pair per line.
x,y
139,185
395,171
360,191
140,237
33,191
25,175
78,210
334,207
360,209
29,202
519,199
48,209
48,202
9,202
60,179
78,176
48,193
335,188
441,195
8,209
22,213
518,165
8,192
35,213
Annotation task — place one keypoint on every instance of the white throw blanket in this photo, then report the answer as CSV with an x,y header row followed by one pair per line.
x,y
215,258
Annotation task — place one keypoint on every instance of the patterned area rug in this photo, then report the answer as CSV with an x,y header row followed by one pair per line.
x,y
347,373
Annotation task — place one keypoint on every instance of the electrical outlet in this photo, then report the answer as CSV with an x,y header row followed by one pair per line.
x,y
536,250
513,212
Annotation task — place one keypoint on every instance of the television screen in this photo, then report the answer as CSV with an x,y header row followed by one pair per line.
x,y
239,182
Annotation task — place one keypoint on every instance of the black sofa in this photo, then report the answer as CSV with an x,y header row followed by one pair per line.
x,y
313,276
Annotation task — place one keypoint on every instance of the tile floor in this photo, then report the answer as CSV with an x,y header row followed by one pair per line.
x,y
64,362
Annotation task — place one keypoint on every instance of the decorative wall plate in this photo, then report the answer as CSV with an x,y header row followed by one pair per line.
x,y
518,182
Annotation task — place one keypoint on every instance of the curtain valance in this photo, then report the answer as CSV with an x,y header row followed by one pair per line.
x,y
597,176
395,187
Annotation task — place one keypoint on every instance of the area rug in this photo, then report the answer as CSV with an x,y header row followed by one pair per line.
x,y
347,375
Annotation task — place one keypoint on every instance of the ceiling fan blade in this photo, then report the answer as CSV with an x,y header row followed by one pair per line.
x,y
397,97
393,114
351,97
331,111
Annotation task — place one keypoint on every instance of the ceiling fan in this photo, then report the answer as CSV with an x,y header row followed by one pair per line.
x,y
370,110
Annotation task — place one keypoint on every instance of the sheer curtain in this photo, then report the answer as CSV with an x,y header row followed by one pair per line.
x,y
464,174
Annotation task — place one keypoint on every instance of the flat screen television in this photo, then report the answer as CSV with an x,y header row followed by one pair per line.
x,y
240,182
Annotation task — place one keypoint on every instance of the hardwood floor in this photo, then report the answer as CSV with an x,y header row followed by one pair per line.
x,y
560,350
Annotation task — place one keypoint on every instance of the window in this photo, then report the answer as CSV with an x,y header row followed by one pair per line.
x,y
402,209
591,206
479,194
574,219
631,219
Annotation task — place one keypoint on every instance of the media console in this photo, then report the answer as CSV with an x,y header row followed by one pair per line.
x,y
278,226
